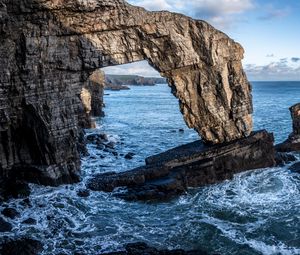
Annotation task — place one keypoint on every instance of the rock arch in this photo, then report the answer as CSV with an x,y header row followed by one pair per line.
x,y
49,48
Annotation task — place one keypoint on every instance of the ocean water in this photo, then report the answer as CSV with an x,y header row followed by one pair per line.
x,y
258,212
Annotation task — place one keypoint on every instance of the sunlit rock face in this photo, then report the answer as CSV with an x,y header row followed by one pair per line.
x,y
92,99
48,49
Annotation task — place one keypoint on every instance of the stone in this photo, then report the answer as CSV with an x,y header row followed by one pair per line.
x,y
293,141
23,246
10,213
49,49
141,248
295,167
283,158
129,155
83,193
192,165
29,221
4,226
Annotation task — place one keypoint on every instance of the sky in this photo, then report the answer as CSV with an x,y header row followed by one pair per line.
x,y
267,29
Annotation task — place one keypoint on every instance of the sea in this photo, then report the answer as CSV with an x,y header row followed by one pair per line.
x,y
257,212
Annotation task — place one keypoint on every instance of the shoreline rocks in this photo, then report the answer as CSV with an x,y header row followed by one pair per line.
x,y
293,141
191,165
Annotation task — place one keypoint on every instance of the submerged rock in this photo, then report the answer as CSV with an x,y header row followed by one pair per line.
x,y
24,246
144,249
10,213
5,226
191,165
295,167
283,158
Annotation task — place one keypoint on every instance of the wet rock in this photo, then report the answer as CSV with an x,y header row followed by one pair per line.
x,y
129,155
283,158
295,167
83,193
29,221
141,248
191,165
13,188
100,147
10,213
49,49
5,226
24,246
110,145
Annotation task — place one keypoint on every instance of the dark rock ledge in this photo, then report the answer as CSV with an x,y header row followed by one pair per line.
x,y
191,165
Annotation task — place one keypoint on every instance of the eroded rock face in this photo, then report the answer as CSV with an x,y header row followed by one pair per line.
x,y
293,141
48,49
92,99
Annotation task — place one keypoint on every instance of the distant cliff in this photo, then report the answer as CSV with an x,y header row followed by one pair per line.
x,y
133,80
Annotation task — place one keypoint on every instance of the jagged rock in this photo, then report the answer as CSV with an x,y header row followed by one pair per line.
x,y
92,99
190,165
293,141
283,158
24,246
48,49
295,167
141,248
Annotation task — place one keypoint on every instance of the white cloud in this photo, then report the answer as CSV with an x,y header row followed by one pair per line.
x,y
138,68
220,13
277,70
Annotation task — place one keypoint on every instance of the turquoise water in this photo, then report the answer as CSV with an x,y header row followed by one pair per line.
x,y
255,213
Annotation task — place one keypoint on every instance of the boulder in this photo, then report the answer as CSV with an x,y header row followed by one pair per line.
x,y
191,165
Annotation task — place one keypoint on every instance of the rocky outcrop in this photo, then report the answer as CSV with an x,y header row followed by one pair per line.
x,y
191,165
134,80
48,49
92,99
293,141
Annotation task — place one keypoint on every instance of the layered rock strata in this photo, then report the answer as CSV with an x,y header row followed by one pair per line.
x,y
92,99
190,165
48,49
293,141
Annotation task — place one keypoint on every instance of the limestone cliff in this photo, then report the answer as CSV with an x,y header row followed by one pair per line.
x,y
48,49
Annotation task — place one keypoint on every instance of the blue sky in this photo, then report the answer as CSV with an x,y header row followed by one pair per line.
x,y
268,31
